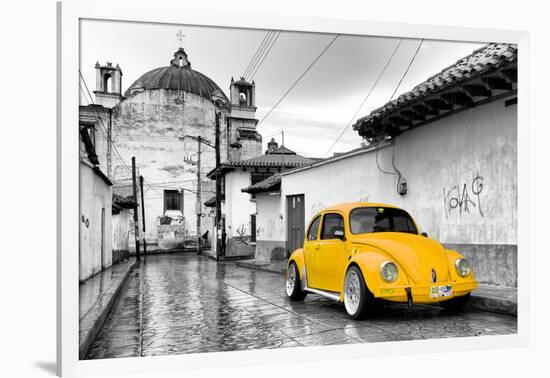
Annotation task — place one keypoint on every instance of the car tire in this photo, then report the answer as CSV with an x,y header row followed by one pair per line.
x,y
293,286
456,303
358,299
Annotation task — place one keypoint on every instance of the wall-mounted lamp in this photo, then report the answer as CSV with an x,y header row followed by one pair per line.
x,y
402,186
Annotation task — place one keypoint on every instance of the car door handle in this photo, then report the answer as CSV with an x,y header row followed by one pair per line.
x,y
317,246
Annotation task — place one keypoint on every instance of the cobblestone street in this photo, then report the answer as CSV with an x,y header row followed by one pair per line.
x,y
183,303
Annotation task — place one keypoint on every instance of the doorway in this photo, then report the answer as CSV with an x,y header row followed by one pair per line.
x,y
295,216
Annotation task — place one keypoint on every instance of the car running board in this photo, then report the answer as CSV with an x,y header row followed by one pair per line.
x,y
328,294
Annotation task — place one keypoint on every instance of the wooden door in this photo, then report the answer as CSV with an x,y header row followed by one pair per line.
x,y
295,213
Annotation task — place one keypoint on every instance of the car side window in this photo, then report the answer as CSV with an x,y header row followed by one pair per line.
x,y
313,229
331,223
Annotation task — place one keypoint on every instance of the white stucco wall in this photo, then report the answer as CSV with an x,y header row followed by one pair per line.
x,y
270,226
475,149
95,195
238,205
121,229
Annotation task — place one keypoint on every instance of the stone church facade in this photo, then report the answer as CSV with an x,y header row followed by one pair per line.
x,y
158,120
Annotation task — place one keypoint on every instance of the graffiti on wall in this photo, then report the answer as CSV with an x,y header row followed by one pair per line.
x,y
316,207
364,197
464,198
243,236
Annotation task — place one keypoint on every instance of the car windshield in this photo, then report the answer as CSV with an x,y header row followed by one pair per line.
x,y
364,220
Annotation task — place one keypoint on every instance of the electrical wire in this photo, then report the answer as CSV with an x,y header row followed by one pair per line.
x,y
259,50
366,97
262,53
105,134
109,140
253,74
408,68
298,80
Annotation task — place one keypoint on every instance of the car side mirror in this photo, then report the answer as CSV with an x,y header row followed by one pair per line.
x,y
424,234
339,234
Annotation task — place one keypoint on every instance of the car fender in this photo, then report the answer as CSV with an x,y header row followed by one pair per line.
x,y
298,257
369,262
452,256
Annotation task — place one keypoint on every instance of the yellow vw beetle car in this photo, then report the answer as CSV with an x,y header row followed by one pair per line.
x,y
358,253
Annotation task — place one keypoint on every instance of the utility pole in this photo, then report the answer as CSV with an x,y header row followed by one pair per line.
x,y
221,250
198,206
142,213
134,189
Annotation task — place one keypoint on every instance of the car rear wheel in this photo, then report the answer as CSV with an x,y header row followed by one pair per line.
x,y
456,303
358,299
293,288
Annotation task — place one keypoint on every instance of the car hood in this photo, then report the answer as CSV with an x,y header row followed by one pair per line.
x,y
416,255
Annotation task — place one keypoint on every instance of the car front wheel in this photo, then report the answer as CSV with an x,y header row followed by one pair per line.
x,y
293,288
358,299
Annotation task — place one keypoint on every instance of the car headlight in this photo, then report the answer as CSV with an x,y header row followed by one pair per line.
x,y
463,267
388,271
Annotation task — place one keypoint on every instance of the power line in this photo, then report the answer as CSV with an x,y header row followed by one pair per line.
x,y
104,130
256,54
265,55
366,97
408,68
299,78
262,52
109,140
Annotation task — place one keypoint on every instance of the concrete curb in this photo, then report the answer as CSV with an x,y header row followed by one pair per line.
x,y
92,322
502,300
227,258
271,268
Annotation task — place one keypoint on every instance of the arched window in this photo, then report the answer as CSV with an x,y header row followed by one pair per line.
x,y
106,82
242,98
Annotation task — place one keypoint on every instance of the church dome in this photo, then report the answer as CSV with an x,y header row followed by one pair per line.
x,y
177,76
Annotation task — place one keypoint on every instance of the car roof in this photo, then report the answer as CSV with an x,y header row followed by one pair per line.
x,y
348,206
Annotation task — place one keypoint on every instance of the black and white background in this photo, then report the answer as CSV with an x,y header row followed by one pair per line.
x,y
28,160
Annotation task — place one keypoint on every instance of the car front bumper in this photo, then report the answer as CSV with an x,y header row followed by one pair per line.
x,y
421,293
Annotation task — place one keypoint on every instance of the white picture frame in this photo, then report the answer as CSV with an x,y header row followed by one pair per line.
x,y
69,15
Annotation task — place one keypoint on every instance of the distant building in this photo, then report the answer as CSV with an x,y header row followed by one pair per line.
x,y
238,207
446,152
95,192
152,120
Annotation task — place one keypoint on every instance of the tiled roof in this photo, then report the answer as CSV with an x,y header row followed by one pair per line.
x,y
266,161
469,75
271,160
272,183
211,202
123,202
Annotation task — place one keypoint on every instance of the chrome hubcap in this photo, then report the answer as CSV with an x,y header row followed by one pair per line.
x,y
290,280
352,293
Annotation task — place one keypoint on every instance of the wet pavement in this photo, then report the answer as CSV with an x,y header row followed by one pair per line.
x,y
184,303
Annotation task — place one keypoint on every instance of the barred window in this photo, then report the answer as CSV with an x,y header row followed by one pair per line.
x,y
173,200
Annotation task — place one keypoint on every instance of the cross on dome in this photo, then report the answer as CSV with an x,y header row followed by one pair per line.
x,y
181,37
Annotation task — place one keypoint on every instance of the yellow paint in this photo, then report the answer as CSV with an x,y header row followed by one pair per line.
x,y
326,261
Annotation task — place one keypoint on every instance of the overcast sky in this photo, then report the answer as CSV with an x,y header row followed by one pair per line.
x,y
322,104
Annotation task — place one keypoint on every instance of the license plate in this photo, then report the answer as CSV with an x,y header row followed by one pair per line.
x,y
441,291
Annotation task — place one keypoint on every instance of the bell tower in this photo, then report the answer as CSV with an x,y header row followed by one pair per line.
x,y
245,141
108,85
